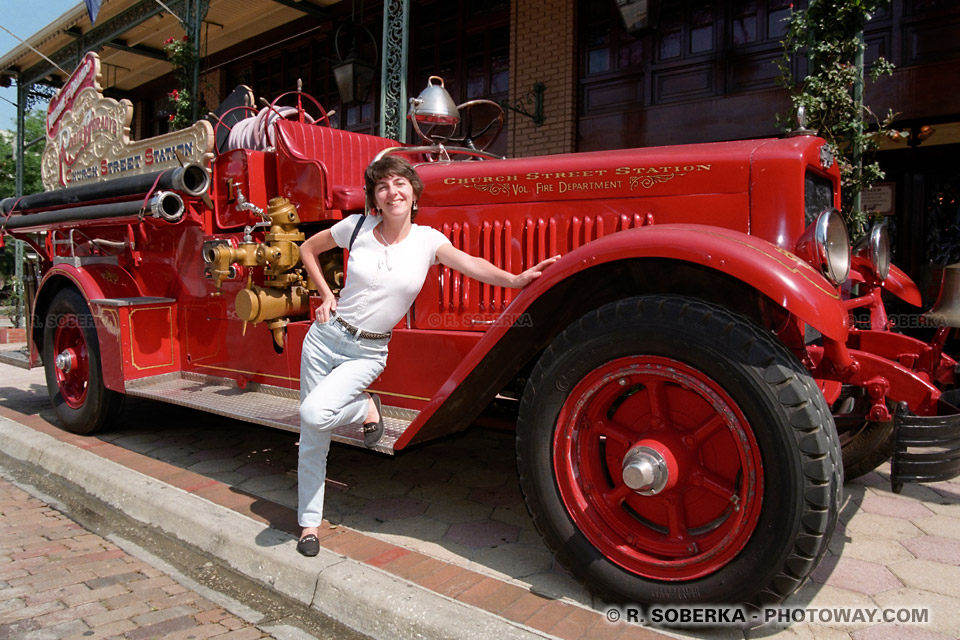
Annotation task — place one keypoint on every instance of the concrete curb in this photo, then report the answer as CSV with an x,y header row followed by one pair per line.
x,y
14,358
357,595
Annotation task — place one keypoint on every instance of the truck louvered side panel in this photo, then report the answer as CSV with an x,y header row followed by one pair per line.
x,y
512,245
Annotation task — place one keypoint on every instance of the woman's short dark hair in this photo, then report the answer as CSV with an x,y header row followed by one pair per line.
x,y
384,168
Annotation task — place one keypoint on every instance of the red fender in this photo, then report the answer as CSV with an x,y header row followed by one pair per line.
x,y
778,274
899,284
96,282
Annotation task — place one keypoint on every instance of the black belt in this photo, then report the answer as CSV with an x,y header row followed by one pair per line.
x,y
360,333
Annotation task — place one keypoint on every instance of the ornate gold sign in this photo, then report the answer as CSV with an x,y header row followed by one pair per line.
x,y
88,136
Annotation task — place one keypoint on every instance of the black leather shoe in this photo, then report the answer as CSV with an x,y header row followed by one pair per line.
x,y
308,546
373,431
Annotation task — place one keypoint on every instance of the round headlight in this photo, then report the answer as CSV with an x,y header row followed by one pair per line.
x,y
832,246
876,247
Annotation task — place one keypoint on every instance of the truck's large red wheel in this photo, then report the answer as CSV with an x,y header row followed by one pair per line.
x,y
671,451
71,359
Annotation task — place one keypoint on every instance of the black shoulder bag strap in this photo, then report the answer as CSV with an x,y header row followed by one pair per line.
x,y
356,231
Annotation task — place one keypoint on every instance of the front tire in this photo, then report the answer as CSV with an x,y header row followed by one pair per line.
x,y
74,372
751,473
864,444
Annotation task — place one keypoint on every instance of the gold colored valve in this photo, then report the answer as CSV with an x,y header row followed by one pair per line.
x,y
285,290
257,304
221,257
280,252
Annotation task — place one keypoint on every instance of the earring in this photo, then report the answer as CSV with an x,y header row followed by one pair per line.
x,y
415,207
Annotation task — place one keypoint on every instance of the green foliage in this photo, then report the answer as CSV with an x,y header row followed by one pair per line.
x,y
183,57
829,33
39,95
33,128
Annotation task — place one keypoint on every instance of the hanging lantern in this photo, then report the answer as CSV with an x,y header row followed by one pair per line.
x,y
355,73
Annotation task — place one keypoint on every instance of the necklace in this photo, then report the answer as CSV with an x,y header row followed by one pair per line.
x,y
385,255
383,239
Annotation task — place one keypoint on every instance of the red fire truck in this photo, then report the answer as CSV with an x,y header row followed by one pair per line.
x,y
684,378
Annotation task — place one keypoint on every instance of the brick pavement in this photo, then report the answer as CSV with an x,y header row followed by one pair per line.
x,y
57,580
449,517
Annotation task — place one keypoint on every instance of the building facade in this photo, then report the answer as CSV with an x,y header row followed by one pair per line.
x,y
694,71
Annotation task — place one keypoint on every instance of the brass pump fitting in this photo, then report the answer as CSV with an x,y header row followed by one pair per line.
x,y
280,249
258,304
278,254
284,293
284,221
221,257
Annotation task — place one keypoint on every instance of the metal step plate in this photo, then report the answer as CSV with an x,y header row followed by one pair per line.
x,y
258,403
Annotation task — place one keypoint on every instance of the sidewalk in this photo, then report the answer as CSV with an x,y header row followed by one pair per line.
x,y
58,580
436,542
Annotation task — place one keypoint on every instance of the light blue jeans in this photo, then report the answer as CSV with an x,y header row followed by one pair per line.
x,y
335,368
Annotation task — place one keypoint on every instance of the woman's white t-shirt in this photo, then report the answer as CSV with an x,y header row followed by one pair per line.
x,y
383,281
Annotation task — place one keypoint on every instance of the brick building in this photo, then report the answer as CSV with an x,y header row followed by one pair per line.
x,y
697,70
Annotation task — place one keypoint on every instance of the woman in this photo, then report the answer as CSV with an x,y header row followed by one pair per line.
x,y
346,347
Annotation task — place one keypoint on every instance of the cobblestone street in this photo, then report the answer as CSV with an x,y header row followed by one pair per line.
x,y
58,580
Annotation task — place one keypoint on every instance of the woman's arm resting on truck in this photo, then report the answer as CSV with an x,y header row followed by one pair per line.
x,y
484,271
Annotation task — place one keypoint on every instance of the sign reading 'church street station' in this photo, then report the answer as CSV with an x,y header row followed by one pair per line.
x,y
88,136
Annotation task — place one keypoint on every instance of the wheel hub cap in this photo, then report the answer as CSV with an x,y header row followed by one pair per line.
x,y
645,470
66,360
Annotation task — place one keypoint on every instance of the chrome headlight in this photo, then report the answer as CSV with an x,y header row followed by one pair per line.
x,y
875,246
826,245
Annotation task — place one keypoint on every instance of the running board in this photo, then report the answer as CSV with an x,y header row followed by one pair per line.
x,y
258,403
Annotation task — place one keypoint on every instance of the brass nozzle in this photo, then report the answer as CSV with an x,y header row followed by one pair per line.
x,y
257,304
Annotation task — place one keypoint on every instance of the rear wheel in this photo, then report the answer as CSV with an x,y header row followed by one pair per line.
x,y
671,451
71,358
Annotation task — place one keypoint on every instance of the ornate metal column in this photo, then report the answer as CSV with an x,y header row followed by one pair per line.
x,y
393,74
18,244
191,14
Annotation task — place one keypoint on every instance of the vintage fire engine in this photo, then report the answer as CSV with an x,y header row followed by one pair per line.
x,y
678,376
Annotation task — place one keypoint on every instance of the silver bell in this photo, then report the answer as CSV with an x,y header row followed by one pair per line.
x,y
434,105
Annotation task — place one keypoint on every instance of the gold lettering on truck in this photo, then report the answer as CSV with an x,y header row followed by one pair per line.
x,y
552,182
88,136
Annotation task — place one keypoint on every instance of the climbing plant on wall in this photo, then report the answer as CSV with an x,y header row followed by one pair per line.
x,y
828,34
183,57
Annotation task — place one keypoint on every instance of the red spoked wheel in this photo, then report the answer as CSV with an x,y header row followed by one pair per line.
x,y
301,114
672,451
700,501
227,121
71,359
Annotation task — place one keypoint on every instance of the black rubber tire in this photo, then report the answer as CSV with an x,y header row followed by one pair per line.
x,y
788,415
100,406
864,444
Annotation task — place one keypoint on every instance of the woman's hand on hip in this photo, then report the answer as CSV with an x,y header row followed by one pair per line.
x,y
326,308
